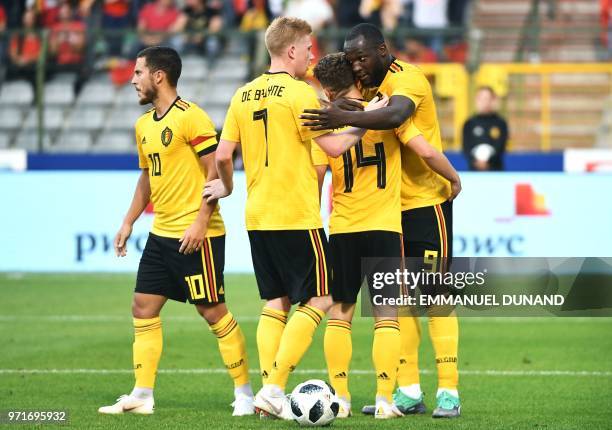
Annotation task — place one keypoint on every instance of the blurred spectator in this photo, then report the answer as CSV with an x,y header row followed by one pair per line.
x,y
24,49
2,19
317,13
115,18
67,38
431,15
201,20
382,13
347,13
256,17
606,26
416,51
157,21
47,11
485,134
14,12
456,12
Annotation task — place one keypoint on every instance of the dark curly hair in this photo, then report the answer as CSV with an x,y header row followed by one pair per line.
x,y
334,72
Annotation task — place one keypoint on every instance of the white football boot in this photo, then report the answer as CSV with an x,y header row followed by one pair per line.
x,y
386,410
272,401
345,408
243,405
130,404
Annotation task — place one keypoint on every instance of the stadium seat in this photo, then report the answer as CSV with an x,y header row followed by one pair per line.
x,y
53,118
230,69
96,93
16,93
220,93
72,142
5,140
124,118
115,142
194,68
126,96
28,140
87,118
12,117
59,93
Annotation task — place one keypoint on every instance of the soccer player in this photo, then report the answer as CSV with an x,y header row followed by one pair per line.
x,y
365,222
429,184
184,255
288,243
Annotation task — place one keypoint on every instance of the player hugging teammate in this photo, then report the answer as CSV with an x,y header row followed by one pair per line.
x,y
389,178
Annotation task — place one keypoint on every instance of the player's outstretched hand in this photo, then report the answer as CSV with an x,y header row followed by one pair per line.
x,y
348,104
121,238
193,239
214,190
455,189
377,103
328,118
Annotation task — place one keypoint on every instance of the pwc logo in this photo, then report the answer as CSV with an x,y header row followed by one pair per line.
x,y
529,203
149,209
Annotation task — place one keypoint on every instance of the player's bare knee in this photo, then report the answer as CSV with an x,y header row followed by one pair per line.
x,y
145,306
212,313
322,303
341,311
280,304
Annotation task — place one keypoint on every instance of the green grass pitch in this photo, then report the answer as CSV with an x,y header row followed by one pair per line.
x,y
546,373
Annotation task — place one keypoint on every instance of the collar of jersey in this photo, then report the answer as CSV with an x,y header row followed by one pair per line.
x,y
278,73
155,118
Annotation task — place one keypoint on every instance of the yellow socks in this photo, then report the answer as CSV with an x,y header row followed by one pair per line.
x,y
295,341
232,348
385,355
408,371
444,334
338,348
269,331
147,350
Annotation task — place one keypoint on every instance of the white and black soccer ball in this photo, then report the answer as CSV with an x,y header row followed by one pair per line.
x,y
314,403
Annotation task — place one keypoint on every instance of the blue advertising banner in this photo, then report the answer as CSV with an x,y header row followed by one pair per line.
x,y
66,221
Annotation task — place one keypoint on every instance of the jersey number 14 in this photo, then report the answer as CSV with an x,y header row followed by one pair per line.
x,y
379,160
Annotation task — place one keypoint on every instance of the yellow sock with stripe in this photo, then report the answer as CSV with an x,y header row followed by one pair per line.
x,y
147,349
232,347
385,355
444,334
338,348
408,371
295,341
269,331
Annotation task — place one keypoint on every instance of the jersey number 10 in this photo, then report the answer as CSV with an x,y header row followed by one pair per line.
x,y
379,160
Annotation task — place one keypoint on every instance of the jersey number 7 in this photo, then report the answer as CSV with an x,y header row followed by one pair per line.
x,y
263,115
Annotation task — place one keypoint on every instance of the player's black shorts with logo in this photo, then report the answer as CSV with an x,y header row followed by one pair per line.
x,y
290,263
428,234
196,277
347,253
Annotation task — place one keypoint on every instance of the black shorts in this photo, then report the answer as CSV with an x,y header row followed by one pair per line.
x,y
428,235
290,263
348,250
196,277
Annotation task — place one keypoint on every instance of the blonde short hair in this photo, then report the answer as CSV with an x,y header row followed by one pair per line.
x,y
284,31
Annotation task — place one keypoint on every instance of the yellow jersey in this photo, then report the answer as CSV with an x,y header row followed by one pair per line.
x,y
170,148
282,187
421,186
366,183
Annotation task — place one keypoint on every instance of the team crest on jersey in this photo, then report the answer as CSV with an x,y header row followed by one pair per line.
x,y
166,136
495,133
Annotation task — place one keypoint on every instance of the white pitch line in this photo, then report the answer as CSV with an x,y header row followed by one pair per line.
x,y
252,319
303,372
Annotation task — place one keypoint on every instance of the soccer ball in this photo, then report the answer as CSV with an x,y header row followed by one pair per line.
x,y
314,403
